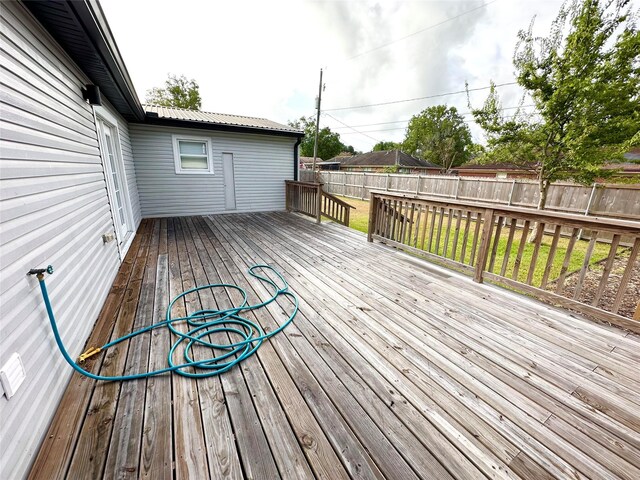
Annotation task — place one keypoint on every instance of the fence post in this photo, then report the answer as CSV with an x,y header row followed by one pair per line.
x,y
318,202
373,211
388,182
418,185
484,245
457,188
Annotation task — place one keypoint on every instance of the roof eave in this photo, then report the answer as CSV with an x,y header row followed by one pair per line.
x,y
172,122
97,54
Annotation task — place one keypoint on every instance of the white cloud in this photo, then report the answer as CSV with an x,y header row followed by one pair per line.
x,y
263,58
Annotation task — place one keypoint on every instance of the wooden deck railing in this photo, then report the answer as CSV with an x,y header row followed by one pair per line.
x,y
335,209
303,197
492,243
309,199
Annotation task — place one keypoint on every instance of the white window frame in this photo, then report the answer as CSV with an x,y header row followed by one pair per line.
x,y
176,155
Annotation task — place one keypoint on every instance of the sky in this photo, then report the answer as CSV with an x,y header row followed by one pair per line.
x,y
263,58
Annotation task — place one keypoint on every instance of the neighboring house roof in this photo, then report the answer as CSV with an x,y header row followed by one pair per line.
x,y
383,158
625,167
306,160
160,114
492,166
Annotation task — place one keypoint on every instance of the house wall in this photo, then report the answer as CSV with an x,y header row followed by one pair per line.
x,y
262,164
53,210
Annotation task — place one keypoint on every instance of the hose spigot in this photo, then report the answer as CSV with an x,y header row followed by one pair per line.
x,y
39,272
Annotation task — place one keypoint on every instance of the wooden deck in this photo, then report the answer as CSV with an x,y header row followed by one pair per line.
x,y
394,368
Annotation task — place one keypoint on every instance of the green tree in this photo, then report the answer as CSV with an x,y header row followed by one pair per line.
x,y
584,81
177,92
383,146
329,143
439,135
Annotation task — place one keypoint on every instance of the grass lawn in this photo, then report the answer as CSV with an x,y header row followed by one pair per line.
x,y
359,220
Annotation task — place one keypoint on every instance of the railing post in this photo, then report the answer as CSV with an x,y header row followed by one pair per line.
x,y
318,202
483,254
287,196
373,211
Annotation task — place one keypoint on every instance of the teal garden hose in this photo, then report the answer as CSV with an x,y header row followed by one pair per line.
x,y
201,324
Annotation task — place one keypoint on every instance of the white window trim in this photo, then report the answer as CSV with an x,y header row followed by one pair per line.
x,y
104,115
176,155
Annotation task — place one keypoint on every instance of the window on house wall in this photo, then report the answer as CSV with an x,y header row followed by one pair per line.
x,y
192,154
501,175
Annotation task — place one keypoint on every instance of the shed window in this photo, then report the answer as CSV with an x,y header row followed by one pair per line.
x,y
192,154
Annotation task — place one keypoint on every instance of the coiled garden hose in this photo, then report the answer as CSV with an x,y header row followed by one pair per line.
x,y
202,323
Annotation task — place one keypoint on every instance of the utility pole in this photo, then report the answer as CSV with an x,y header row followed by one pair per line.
x,y
315,143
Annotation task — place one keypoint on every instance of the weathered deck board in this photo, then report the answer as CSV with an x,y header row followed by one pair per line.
x,y
393,368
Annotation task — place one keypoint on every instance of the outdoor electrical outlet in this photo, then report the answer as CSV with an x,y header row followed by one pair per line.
x,y
108,237
12,375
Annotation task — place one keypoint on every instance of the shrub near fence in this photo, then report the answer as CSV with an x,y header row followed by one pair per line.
x,y
610,200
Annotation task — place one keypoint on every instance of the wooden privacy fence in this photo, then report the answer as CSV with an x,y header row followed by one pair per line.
x,y
486,241
618,201
310,199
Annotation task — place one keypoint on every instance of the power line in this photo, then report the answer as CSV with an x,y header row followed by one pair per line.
x,y
419,98
400,128
420,31
354,130
408,120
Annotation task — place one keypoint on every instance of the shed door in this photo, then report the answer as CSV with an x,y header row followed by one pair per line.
x,y
229,181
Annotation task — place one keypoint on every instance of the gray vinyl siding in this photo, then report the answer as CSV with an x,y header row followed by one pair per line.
x,y
261,165
53,210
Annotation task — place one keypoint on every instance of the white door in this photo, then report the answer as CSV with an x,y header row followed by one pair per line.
x,y
115,180
229,181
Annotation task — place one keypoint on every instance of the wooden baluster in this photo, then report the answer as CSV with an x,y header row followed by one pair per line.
x,y
523,242
434,214
417,229
410,229
401,220
496,241
626,276
615,241
446,234
405,224
465,237
476,237
393,220
585,264
440,221
551,257
567,260
536,251
484,245
424,226
456,233
507,251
